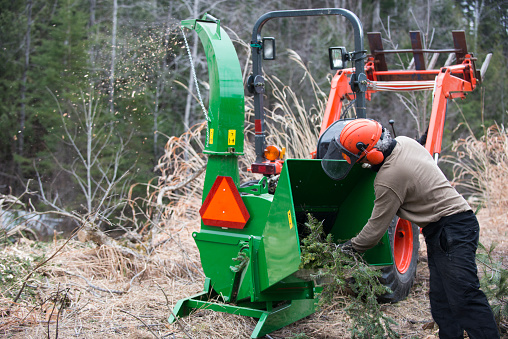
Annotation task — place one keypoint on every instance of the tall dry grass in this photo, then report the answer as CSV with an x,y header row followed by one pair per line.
x,y
480,168
181,180
291,122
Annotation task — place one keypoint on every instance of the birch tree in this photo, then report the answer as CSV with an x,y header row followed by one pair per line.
x,y
113,59
189,104
22,112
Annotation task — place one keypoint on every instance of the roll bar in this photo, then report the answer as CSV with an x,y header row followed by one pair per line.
x,y
257,82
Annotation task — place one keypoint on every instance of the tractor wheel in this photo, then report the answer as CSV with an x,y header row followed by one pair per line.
x,y
405,244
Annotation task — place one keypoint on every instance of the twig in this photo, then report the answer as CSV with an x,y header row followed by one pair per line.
x,y
32,309
185,254
160,243
104,289
51,314
45,261
148,327
134,277
94,286
59,311
181,184
170,310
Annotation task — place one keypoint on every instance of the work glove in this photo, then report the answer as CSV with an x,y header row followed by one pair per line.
x,y
347,248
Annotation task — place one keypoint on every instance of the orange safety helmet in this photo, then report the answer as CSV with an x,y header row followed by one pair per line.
x,y
359,137
354,141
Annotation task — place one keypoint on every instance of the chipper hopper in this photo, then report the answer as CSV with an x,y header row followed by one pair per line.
x,y
249,241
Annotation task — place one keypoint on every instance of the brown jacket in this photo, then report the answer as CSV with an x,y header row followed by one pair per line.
x,y
410,185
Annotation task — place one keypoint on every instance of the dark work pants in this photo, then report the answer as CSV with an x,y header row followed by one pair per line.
x,y
456,301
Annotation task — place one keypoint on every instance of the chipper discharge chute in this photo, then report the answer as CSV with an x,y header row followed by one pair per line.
x,y
249,241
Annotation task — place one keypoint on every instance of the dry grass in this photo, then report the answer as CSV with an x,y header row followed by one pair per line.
x,y
291,123
89,312
480,169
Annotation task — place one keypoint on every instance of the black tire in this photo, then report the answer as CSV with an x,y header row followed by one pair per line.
x,y
400,283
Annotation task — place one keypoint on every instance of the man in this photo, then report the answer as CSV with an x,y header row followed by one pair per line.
x,y
410,184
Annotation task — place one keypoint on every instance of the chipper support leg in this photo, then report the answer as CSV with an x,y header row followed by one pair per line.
x,y
270,318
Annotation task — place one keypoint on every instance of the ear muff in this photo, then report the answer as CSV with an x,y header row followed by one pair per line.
x,y
375,157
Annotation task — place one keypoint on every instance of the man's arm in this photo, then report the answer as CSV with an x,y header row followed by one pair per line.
x,y
387,203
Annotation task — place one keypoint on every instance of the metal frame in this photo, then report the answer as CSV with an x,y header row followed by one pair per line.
x,y
271,318
258,82
448,82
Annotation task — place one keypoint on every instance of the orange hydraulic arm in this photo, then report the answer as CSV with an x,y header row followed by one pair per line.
x,y
447,87
340,90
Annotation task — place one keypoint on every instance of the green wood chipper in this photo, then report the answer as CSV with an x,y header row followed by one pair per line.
x,y
249,241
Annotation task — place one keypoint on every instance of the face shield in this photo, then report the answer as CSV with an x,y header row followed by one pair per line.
x,y
338,161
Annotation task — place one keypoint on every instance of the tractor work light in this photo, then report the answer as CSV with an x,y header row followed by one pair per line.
x,y
338,57
272,153
269,49
273,163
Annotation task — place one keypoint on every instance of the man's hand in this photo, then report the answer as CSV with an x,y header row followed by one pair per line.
x,y
347,248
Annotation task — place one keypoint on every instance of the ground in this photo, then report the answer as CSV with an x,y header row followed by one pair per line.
x,y
88,291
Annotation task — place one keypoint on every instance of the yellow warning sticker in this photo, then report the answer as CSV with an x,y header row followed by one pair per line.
x,y
211,136
290,220
231,137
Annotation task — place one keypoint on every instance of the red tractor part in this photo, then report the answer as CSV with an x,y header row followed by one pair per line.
x,y
403,245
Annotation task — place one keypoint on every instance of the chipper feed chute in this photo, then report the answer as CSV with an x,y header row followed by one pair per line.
x,y
249,241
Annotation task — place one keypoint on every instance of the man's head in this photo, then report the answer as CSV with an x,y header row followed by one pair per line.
x,y
360,140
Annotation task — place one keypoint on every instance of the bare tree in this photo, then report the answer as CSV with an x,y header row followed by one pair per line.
x,y
22,111
91,24
95,169
113,57
189,105
478,10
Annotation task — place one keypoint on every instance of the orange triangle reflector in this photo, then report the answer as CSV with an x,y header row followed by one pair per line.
x,y
223,207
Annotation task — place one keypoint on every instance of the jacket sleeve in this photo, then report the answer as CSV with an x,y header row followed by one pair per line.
x,y
386,205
